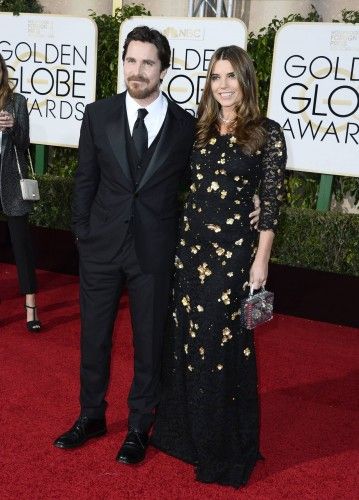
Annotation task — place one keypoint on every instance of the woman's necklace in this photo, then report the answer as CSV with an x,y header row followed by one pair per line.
x,y
223,119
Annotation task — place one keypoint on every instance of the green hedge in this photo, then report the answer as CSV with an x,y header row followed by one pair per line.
x,y
54,208
326,241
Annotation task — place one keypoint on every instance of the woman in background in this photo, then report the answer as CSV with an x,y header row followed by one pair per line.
x,y
208,414
14,131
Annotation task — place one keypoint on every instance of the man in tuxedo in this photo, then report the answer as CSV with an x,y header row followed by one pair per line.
x,y
133,155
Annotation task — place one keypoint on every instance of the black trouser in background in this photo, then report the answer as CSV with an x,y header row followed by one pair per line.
x,y
22,248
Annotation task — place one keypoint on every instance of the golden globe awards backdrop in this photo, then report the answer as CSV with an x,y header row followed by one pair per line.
x,y
314,95
52,62
193,41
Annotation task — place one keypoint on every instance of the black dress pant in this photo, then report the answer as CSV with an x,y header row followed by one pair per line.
x,y
23,252
101,285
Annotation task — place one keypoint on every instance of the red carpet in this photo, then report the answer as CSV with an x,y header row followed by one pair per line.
x,y
307,374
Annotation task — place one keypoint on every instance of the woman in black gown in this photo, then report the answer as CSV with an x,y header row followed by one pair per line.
x,y
208,414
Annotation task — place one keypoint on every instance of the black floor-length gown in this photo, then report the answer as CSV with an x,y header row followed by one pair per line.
x,y
208,414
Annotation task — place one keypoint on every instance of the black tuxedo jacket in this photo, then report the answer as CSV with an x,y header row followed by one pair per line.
x,y
106,202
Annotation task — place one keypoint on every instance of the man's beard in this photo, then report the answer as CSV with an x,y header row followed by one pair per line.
x,y
140,93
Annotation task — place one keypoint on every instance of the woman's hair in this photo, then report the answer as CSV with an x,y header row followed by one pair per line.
x,y
247,126
5,89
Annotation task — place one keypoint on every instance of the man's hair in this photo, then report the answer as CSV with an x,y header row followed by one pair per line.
x,y
149,35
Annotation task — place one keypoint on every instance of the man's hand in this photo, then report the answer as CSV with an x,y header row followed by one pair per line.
x,y
254,216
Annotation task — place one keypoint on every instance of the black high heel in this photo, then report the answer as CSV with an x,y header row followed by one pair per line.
x,y
33,326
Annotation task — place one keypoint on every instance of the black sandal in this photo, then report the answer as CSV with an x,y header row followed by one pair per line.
x,y
33,326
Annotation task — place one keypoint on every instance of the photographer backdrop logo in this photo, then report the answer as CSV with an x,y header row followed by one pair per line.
x,y
314,95
52,62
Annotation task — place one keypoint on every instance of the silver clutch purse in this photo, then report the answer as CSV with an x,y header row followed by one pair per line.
x,y
257,308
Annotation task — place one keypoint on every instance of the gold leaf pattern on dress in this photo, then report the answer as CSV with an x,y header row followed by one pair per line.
x,y
174,314
228,254
223,194
186,302
220,251
200,308
239,242
226,335
178,263
193,187
233,139
235,314
204,271
219,367
203,151
186,348
190,367
201,352
213,227
213,141
230,221
199,176
213,187
225,297
245,284
247,352
182,242
230,274
237,216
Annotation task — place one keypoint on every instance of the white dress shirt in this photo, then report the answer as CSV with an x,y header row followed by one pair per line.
x,y
153,120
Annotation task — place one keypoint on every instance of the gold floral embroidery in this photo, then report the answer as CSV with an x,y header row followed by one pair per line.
x,y
226,335
204,271
178,263
213,227
225,297
247,352
235,314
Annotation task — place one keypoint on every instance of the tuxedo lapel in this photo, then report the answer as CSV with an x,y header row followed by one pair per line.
x,y
116,132
163,148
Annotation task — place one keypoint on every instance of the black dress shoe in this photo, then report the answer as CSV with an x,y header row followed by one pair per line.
x,y
134,447
83,429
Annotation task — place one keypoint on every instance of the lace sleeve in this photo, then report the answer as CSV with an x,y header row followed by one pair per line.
x,y
274,158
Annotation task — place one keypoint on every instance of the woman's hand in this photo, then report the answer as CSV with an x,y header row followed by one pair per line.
x,y
258,274
6,120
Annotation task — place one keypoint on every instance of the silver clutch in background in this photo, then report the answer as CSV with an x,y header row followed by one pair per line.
x,y
257,308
